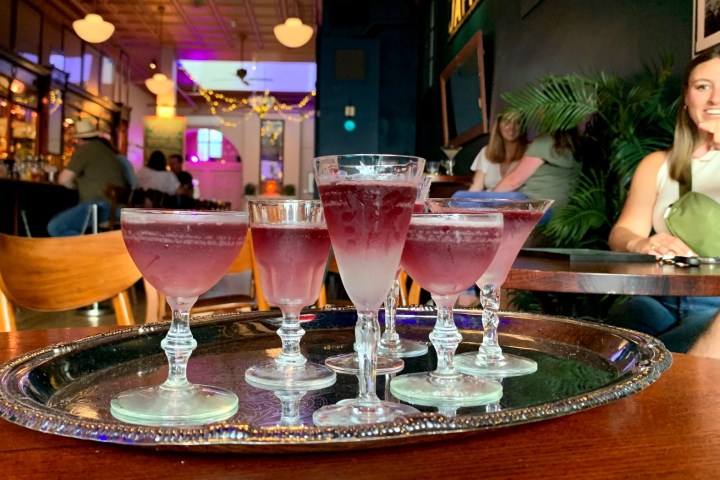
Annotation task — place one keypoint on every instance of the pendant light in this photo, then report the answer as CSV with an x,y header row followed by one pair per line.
x,y
160,84
293,33
92,28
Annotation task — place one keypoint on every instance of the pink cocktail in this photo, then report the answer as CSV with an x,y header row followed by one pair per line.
x,y
183,254
445,253
520,217
291,247
368,200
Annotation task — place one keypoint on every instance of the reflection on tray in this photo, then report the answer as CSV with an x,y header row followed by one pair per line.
x,y
66,391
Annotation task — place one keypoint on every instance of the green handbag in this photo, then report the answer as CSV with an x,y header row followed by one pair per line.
x,y
695,219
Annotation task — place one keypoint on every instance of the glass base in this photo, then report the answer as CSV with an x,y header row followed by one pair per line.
x,y
348,363
509,366
402,348
196,405
351,412
461,391
310,376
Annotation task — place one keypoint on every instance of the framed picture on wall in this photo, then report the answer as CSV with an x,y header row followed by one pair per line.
x,y
706,24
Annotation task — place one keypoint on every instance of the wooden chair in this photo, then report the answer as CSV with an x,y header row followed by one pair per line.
x,y
245,262
64,273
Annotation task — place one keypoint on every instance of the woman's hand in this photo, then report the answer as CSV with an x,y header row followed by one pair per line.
x,y
662,245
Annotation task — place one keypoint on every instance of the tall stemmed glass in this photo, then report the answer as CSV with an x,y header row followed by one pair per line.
x,y
390,342
368,200
291,246
183,254
521,217
451,152
445,253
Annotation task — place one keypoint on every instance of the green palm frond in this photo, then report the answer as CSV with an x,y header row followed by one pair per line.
x,y
587,210
555,103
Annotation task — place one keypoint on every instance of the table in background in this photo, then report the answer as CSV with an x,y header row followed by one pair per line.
x,y
443,186
38,200
619,278
670,429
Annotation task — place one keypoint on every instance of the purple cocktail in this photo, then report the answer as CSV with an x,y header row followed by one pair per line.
x,y
445,253
368,200
291,246
520,217
182,254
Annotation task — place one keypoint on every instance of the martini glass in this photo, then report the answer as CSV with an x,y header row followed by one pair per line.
x,y
390,342
291,246
182,253
368,200
520,217
451,152
445,253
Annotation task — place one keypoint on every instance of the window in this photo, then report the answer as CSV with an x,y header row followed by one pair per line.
x,y
209,144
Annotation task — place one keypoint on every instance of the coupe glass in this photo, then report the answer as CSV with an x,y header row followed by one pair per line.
x,y
390,343
445,253
368,200
182,253
520,217
291,246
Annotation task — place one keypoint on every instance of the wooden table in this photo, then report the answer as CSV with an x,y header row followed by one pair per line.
x,y
443,186
622,278
669,430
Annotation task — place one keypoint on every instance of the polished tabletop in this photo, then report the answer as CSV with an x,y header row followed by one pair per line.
x,y
621,278
669,430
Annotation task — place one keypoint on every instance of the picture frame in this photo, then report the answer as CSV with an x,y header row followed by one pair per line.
x,y
706,24
462,94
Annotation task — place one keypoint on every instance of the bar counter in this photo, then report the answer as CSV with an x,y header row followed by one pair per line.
x,y
38,200
669,430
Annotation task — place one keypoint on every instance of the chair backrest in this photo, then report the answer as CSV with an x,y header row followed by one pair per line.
x,y
63,273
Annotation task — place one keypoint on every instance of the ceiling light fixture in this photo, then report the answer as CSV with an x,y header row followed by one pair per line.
x,y
293,33
160,84
93,29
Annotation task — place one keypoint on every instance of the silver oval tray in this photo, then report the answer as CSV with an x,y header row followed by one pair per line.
x,y
65,389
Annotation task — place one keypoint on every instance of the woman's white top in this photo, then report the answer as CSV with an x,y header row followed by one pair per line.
x,y
490,169
163,181
705,179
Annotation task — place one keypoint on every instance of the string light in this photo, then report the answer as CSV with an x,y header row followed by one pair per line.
x,y
259,105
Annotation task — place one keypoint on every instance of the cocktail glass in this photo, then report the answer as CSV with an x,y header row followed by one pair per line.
x,y
291,246
182,253
368,200
289,404
520,217
390,342
451,152
445,253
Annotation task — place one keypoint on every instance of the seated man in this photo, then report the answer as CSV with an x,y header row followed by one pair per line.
x,y
94,165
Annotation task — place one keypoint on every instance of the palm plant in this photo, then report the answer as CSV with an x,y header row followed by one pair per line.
x,y
629,118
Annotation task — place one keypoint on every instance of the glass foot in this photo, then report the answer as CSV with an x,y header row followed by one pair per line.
x,y
354,412
508,366
348,363
433,390
402,348
158,405
310,376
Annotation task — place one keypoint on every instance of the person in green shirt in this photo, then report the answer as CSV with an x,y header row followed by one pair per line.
x,y
547,170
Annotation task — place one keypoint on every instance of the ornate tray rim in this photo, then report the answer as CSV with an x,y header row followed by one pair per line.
x,y
243,438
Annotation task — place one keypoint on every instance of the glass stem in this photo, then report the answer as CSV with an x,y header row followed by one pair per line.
x,y
390,337
367,336
290,407
290,333
179,343
445,336
490,350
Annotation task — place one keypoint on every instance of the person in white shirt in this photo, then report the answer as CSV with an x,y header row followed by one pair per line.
x,y
155,175
505,148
